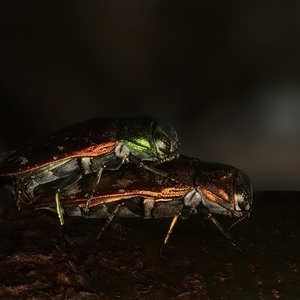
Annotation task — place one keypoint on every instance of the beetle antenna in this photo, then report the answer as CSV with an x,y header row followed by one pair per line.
x,y
236,222
226,233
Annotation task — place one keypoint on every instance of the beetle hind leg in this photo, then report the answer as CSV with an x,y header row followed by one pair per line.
x,y
184,214
109,219
175,218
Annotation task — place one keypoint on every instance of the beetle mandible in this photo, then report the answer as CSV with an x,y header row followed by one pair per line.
x,y
90,147
192,187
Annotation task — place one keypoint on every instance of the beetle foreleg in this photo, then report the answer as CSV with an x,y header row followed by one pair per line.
x,y
137,161
153,170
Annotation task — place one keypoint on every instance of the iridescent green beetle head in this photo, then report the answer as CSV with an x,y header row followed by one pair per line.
x,y
165,141
151,139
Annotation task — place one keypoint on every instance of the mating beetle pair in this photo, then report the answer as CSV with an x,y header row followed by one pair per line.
x,y
154,183
89,147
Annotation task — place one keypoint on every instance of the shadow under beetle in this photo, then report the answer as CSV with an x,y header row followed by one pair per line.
x,y
192,187
89,147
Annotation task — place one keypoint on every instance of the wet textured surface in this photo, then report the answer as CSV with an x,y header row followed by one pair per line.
x,y
198,263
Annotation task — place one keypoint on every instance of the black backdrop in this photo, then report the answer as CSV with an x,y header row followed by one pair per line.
x,y
225,74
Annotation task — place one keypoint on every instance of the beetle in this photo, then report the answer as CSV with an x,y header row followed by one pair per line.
x,y
192,187
89,147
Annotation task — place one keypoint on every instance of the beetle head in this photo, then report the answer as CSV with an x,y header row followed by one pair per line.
x,y
165,141
226,190
243,194
150,139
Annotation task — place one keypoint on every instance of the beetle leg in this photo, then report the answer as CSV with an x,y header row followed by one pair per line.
x,y
95,184
175,218
20,194
67,182
109,219
140,163
58,208
184,214
153,170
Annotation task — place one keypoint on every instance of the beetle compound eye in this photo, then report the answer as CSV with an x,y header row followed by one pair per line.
x,y
243,192
166,138
163,143
240,202
243,199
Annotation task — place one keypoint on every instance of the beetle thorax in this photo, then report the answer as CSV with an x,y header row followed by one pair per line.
x,y
122,151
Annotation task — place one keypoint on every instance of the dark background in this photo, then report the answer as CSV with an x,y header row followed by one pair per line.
x,y
225,75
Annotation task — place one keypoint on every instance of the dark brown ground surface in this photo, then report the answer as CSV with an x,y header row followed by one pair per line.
x,y
199,263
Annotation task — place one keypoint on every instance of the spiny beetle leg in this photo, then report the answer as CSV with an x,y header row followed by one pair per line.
x,y
109,219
